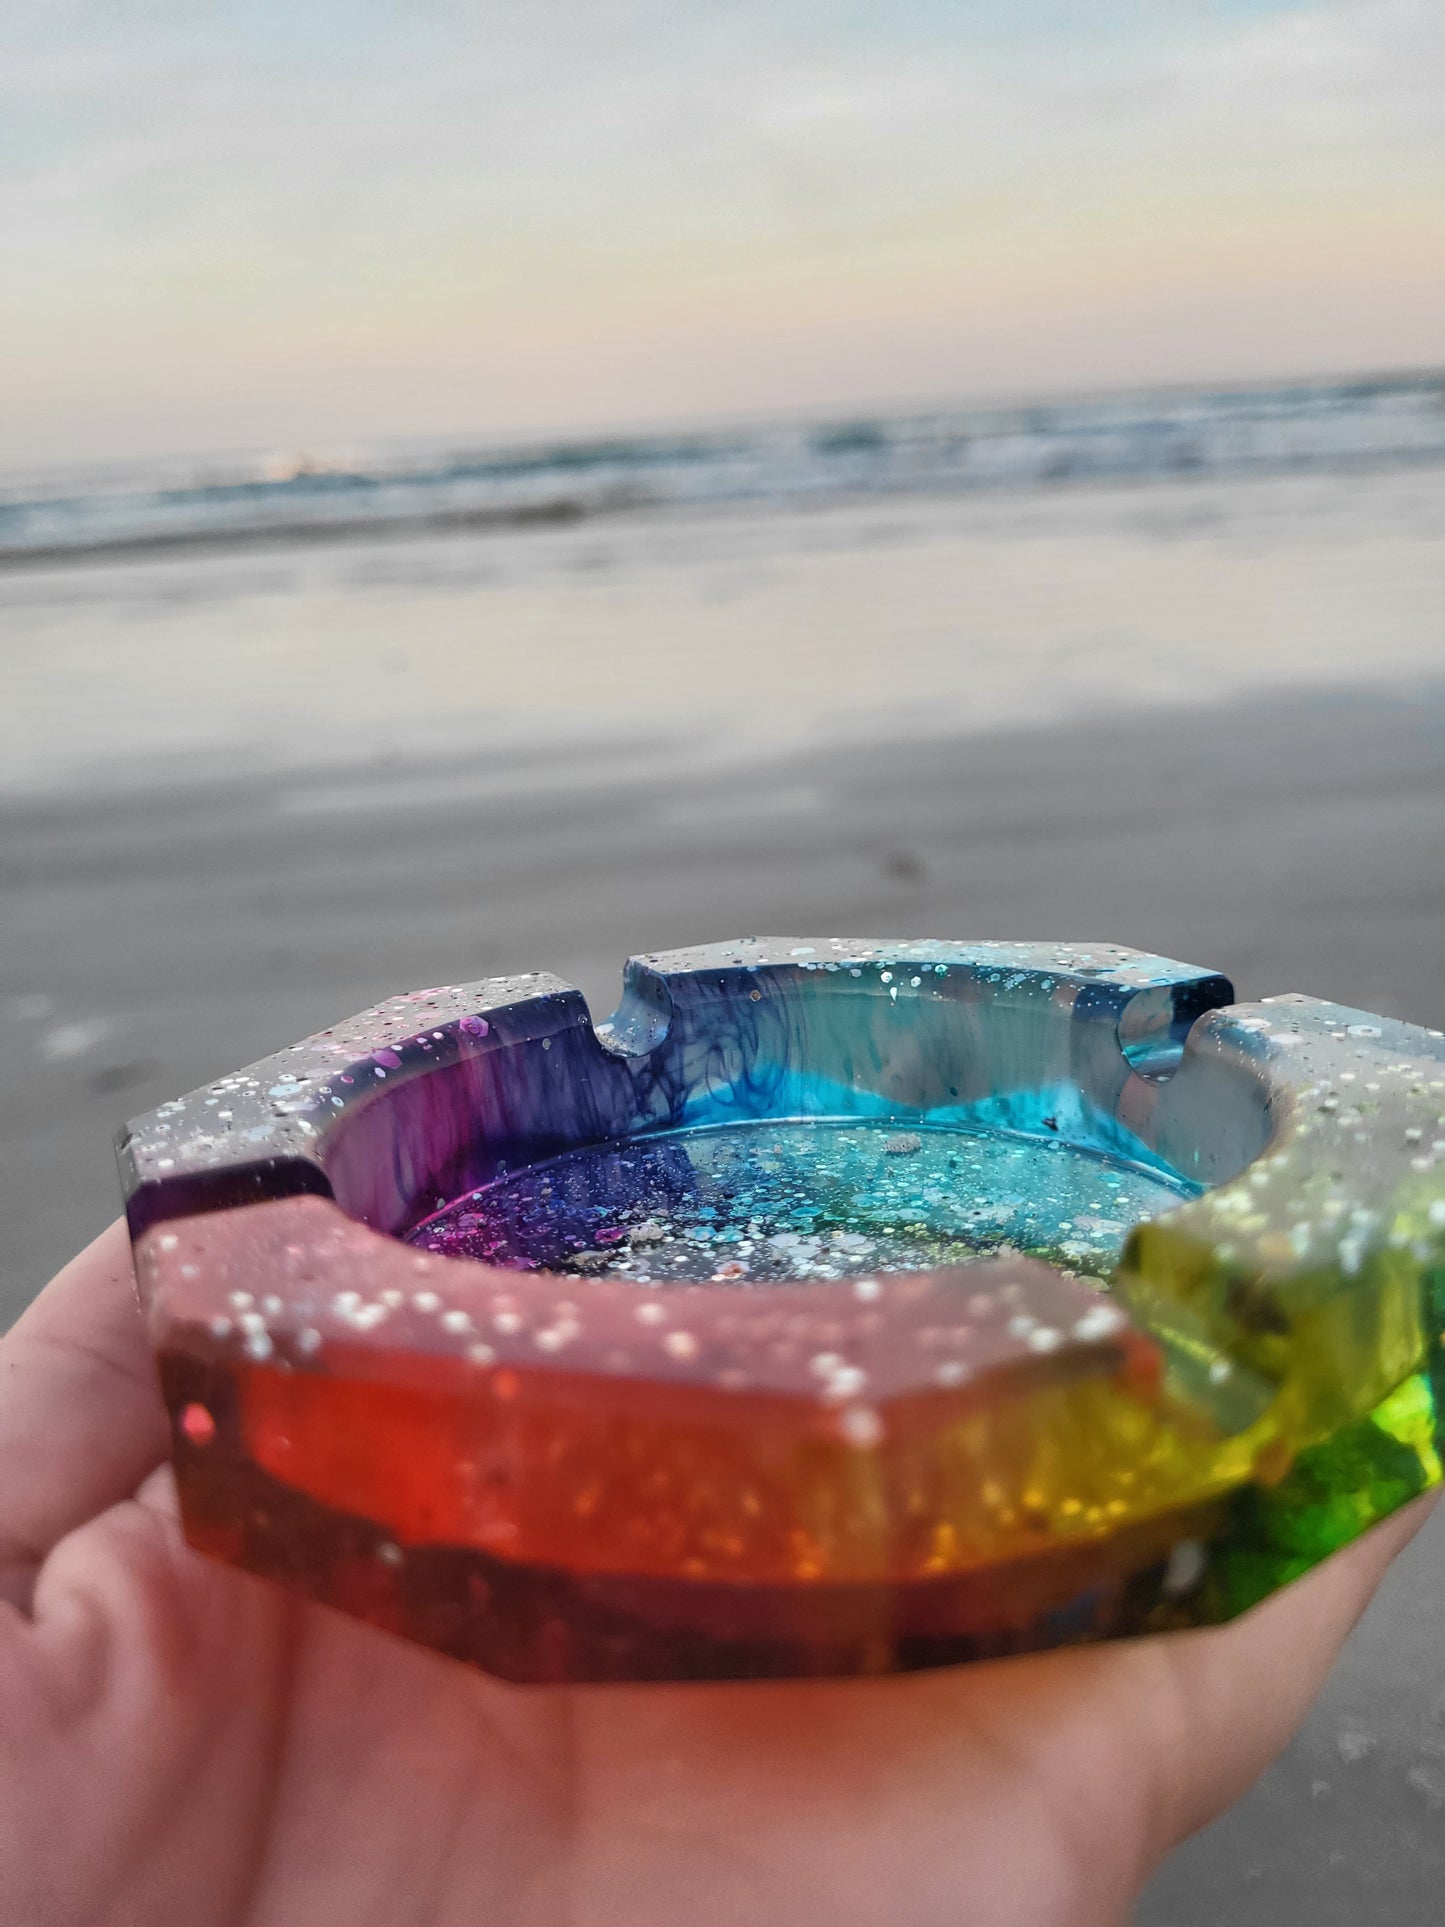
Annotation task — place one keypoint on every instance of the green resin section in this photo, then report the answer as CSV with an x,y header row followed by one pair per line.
x,y
1332,1493
814,1198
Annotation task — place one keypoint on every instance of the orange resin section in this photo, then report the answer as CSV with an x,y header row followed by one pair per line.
x,y
956,1453
749,1488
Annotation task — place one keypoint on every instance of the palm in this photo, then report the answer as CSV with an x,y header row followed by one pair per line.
x,y
179,1742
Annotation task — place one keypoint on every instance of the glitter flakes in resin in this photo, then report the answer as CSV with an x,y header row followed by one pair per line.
x,y
763,1202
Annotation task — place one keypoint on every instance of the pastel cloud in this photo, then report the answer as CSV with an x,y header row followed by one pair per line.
x,y
317,220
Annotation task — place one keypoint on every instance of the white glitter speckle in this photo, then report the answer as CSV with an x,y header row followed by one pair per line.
x,y
845,1382
1185,1569
861,1426
1100,1321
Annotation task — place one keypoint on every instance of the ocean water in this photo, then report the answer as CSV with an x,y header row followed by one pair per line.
x,y
528,622
280,496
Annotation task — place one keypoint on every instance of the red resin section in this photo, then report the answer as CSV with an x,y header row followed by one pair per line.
x,y
562,1477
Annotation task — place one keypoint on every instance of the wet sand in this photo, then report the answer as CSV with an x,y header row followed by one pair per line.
x,y
157,937
737,631
157,932
1298,845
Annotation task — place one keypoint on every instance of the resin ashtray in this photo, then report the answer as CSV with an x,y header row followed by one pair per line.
x,y
834,1308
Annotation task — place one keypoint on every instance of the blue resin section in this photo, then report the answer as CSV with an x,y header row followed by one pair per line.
x,y
811,1197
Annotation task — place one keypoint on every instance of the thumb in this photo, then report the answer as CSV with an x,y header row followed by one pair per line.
x,y
1216,1706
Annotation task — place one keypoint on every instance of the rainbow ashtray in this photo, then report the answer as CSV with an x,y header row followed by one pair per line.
x,y
835,1307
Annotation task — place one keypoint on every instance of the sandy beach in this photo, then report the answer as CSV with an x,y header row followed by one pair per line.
x,y
169,933
245,794
495,489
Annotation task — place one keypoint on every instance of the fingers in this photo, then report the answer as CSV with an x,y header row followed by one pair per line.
x,y
1043,1789
1221,1704
81,1422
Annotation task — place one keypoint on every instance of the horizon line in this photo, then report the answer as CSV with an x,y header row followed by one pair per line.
x,y
540,437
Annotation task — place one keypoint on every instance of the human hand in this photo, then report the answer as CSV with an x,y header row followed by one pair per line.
x,y
182,1743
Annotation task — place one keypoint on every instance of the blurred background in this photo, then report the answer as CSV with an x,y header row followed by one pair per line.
x,y
497,487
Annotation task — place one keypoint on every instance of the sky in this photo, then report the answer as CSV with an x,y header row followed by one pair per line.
x,y
322,223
